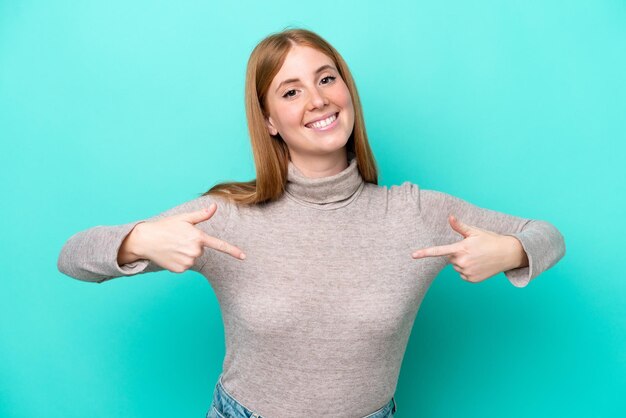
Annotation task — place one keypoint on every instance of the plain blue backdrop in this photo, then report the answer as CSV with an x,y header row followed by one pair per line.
x,y
112,111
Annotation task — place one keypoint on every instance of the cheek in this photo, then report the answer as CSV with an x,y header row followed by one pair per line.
x,y
347,104
290,116
343,98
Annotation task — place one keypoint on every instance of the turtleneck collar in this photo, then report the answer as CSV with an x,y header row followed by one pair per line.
x,y
325,192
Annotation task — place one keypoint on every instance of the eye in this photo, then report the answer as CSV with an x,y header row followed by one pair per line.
x,y
287,94
292,92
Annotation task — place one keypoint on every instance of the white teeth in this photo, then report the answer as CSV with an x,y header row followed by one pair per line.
x,y
322,123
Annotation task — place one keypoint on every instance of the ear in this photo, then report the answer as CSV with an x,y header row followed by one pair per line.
x,y
270,126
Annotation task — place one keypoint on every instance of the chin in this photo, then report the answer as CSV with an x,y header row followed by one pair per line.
x,y
335,143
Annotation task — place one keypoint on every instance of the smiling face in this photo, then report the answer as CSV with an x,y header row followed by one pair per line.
x,y
310,106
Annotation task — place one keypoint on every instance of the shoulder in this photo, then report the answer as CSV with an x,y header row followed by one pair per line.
x,y
408,193
398,195
221,215
204,201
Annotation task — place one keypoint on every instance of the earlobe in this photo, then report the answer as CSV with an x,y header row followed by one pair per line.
x,y
270,126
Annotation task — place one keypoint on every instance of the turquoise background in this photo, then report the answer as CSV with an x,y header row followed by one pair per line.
x,y
112,111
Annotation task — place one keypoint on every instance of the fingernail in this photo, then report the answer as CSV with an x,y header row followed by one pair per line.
x,y
242,256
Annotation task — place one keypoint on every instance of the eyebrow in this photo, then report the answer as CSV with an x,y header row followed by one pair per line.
x,y
319,70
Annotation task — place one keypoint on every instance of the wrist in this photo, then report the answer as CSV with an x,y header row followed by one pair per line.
x,y
516,256
136,239
130,249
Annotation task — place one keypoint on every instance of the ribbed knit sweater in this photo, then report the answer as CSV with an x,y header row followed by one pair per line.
x,y
317,317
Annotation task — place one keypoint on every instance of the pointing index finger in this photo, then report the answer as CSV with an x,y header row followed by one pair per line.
x,y
436,251
223,246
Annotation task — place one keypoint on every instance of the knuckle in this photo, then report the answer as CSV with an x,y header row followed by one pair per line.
x,y
196,251
177,269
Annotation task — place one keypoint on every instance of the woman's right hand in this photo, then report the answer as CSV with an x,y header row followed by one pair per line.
x,y
173,242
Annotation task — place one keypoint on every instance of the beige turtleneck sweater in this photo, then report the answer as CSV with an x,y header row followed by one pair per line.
x,y
320,312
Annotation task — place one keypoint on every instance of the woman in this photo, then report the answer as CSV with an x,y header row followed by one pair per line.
x,y
319,272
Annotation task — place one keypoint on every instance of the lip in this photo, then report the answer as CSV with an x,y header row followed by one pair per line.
x,y
322,118
327,127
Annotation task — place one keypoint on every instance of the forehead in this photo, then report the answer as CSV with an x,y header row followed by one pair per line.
x,y
301,61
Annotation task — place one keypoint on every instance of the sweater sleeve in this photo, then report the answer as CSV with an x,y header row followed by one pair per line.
x,y
543,243
91,255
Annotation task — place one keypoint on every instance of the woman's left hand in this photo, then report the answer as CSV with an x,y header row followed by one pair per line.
x,y
481,254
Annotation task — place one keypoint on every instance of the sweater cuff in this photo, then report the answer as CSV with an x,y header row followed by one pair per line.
x,y
135,267
521,276
102,259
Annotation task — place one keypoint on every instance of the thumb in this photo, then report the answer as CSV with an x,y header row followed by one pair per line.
x,y
460,227
199,215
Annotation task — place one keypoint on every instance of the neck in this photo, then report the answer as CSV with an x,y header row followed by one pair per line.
x,y
321,166
325,193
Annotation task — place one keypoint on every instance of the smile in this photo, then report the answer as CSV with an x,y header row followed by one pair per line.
x,y
324,125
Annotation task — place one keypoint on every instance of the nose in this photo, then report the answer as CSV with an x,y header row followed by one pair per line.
x,y
318,99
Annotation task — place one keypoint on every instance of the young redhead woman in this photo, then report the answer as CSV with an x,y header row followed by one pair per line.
x,y
319,272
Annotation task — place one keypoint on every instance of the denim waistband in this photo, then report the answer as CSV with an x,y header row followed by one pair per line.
x,y
230,406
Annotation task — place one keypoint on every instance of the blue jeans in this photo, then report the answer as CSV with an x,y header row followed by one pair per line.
x,y
225,406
